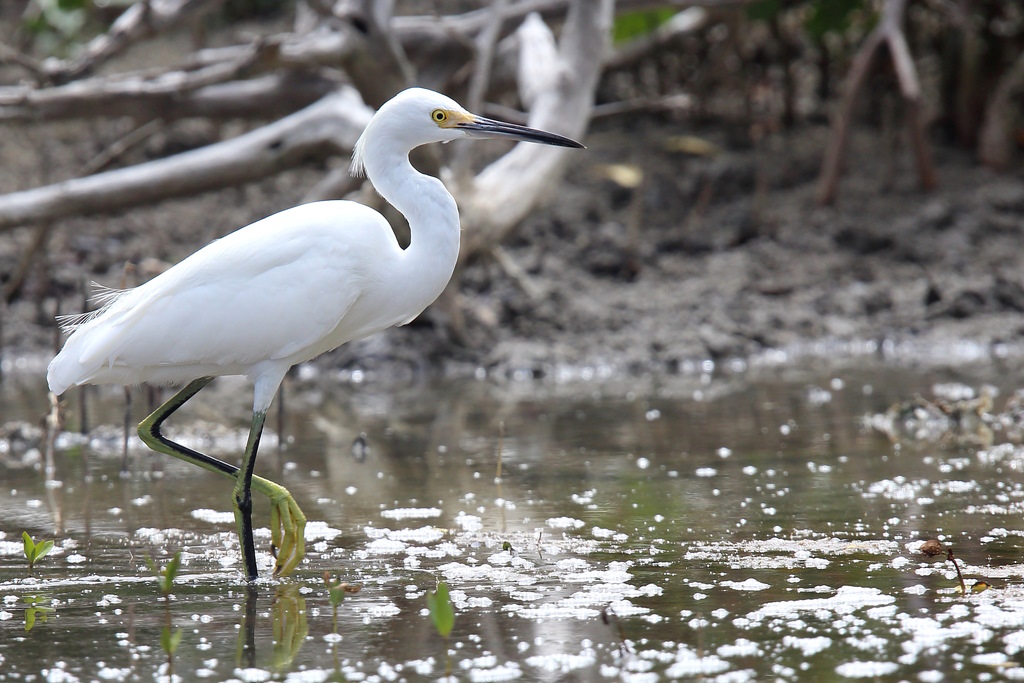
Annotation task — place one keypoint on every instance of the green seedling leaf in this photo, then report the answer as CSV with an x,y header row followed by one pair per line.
x,y
165,577
441,610
43,549
171,570
35,551
336,590
169,640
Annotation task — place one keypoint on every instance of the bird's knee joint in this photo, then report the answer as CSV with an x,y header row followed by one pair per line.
x,y
243,499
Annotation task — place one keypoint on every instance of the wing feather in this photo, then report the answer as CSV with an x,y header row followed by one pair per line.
x,y
272,291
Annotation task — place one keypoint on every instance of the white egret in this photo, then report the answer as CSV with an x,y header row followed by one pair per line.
x,y
282,291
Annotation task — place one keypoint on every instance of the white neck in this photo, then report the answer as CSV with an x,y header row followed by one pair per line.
x,y
429,260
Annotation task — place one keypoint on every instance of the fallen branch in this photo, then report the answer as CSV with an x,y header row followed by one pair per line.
x,y
329,126
266,97
96,94
559,92
376,62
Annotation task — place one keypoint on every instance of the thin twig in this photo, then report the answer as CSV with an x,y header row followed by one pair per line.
x,y
501,448
949,556
479,81
531,289
122,145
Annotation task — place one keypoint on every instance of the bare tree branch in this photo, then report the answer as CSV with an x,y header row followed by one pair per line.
x,y
538,64
332,125
485,44
40,238
890,32
561,103
422,28
375,60
141,20
478,82
9,55
126,142
358,37
507,190
96,93
181,94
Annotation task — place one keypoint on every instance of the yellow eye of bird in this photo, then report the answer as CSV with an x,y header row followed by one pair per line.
x,y
439,115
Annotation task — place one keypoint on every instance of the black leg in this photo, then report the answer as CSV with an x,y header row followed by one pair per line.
x,y
149,432
243,495
287,521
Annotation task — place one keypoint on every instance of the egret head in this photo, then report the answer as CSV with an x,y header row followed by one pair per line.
x,y
418,116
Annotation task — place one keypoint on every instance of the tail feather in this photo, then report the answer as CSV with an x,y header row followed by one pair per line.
x,y
83,352
61,373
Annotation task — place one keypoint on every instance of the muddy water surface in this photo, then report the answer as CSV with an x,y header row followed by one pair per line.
x,y
726,525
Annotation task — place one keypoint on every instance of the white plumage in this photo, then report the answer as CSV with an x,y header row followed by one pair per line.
x,y
258,295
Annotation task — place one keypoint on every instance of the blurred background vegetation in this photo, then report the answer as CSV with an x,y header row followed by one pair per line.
x,y
761,63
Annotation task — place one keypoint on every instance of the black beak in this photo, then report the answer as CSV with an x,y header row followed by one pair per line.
x,y
489,128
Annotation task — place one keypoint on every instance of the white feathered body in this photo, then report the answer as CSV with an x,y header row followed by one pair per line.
x,y
275,293
301,282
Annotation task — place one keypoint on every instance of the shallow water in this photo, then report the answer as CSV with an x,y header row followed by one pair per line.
x,y
731,525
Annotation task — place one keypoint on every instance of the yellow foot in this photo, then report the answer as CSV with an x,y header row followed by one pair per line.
x,y
287,526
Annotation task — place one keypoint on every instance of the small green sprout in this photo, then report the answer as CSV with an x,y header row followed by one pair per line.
x,y
336,591
165,577
441,610
170,639
35,551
